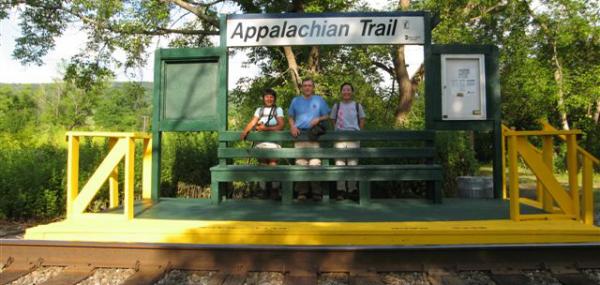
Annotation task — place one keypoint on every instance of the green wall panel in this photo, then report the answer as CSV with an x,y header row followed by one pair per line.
x,y
191,90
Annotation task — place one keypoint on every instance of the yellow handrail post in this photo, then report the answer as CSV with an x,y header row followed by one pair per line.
x,y
72,173
113,180
147,170
547,152
514,178
129,178
588,195
503,147
572,169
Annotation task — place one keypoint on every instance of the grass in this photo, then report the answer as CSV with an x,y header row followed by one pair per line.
x,y
527,182
526,176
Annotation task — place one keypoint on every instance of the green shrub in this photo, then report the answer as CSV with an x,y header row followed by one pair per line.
x,y
457,157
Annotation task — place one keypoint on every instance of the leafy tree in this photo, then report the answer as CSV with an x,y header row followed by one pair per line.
x,y
123,108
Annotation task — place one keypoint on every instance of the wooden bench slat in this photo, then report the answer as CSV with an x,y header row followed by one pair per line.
x,y
425,152
426,172
283,136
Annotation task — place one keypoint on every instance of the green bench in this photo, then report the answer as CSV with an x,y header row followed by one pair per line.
x,y
394,167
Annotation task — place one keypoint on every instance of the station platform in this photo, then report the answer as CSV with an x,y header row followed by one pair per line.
x,y
261,222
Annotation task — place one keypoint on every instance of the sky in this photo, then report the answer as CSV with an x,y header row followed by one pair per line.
x,y
73,40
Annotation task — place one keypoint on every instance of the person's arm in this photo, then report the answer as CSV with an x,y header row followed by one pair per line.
x,y
324,112
291,115
315,121
248,127
362,116
278,127
293,129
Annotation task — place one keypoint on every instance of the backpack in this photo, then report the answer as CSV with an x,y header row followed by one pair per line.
x,y
336,107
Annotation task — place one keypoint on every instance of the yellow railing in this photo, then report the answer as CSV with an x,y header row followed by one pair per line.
x,y
122,146
551,196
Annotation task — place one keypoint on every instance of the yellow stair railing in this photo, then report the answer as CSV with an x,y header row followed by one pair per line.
x,y
122,147
551,196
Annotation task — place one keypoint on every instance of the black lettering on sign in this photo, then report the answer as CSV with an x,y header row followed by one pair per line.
x,y
302,28
250,33
331,31
238,31
275,31
380,31
314,27
365,23
263,31
291,32
345,27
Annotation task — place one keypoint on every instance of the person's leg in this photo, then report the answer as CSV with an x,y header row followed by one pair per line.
x,y
269,187
301,187
315,185
340,184
352,185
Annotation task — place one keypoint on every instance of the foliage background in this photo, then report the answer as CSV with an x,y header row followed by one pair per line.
x,y
549,66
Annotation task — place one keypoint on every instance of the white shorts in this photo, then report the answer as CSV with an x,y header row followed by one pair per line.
x,y
267,145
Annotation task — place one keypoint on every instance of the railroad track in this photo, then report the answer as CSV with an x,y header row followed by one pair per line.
x,y
299,265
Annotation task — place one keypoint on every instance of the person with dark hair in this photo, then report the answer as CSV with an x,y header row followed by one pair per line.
x,y
347,115
306,112
267,118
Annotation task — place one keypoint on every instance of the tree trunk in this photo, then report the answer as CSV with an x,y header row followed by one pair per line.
x,y
597,113
558,77
292,67
405,88
313,60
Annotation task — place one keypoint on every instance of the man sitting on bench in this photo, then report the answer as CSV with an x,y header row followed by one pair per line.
x,y
305,112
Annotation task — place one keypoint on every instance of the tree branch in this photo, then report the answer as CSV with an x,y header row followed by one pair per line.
x,y
386,68
201,13
417,77
489,10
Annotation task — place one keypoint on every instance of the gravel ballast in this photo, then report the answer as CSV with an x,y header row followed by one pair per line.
x,y
38,276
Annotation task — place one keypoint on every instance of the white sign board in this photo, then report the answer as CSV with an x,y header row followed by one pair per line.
x,y
339,29
463,87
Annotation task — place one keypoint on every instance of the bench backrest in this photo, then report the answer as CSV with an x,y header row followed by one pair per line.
x,y
374,144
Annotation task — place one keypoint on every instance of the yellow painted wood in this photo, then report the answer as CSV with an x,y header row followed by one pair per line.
x,y
542,133
100,175
547,154
136,135
544,174
572,171
113,180
539,191
530,217
147,170
317,233
588,196
72,173
531,202
537,204
503,147
513,174
129,177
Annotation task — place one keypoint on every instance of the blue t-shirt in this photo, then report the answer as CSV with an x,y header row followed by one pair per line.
x,y
305,110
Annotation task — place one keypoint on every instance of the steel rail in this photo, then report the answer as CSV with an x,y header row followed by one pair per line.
x,y
300,264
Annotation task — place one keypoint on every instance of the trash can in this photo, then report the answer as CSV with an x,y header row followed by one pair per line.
x,y
475,187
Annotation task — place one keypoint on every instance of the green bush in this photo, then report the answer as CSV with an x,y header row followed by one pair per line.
x,y
32,182
186,162
457,157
